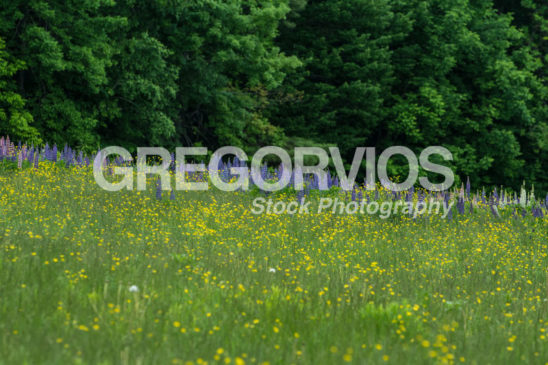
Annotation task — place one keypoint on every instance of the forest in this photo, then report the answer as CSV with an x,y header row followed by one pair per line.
x,y
469,75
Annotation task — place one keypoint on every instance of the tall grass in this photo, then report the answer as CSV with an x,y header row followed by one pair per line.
x,y
95,277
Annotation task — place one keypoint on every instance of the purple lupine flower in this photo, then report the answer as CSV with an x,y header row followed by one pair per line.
x,y
8,146
468,187
292,179
315,182
409,195
54,153
228,167
173,162
20,160
264,171
460,205
159,189
172,194
36,159
300,196
494,210
225,173
409,199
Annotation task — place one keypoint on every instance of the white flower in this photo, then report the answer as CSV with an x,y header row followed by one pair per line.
x,y
133,289
523,197
272,269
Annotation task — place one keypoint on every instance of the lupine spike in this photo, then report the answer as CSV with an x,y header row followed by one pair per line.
x,y
159,189
493,207
300,196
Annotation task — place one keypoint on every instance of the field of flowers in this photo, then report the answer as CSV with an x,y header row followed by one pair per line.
x,y
97,277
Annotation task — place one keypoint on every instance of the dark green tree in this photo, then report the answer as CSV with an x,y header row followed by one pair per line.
x,y
345,48
67,49
420,73
15,120
227,64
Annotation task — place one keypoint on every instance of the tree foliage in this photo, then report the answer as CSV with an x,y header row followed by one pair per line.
x,y
420,73
469,75
14,118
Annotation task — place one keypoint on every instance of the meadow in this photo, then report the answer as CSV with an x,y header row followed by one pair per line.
x,y
96,277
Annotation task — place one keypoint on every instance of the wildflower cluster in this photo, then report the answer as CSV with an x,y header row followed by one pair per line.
x,y
132,277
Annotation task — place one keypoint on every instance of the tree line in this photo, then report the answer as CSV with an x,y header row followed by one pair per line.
x,y
466,74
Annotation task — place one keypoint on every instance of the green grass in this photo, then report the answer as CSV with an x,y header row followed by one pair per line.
x,y
346,288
